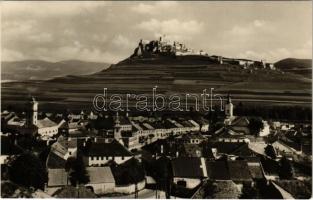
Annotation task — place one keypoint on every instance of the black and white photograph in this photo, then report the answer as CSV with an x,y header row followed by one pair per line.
x,y
156,99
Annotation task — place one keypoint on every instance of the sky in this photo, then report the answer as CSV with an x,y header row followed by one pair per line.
x,y
104,31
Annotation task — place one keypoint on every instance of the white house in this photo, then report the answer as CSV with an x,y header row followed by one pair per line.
x,y
102,151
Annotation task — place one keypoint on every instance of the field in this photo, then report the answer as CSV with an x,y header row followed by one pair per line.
x,y
172,76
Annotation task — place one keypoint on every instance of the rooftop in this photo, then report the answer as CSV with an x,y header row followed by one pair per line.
x,y
113,148
100,175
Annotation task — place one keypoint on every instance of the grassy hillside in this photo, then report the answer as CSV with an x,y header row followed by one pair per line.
x,y
172,76
297,66
43,70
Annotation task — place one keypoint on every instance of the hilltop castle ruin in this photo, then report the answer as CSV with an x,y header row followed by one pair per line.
x,y
161,47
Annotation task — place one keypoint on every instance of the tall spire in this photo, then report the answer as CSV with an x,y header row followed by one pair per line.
x,y
228,98
117,120
229,107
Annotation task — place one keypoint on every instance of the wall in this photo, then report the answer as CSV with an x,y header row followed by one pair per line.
x,y
190,182
130,188
102,188
104,160
48,131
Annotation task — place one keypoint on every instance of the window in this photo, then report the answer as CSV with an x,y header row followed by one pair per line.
x,y
122,157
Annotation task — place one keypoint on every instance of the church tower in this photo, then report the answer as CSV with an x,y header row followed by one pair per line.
x,y
229,107
117,128
32,112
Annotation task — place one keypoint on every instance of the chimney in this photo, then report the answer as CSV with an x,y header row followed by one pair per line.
x,y
95,139
177,154
84,144
162,149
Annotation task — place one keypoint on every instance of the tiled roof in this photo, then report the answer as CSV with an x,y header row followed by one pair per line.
x,y
240,121
54,161
46,122
256,171
239,170
235,148
100,175
217,170
129,172
57,177
113,148
169,148
228,170
187,167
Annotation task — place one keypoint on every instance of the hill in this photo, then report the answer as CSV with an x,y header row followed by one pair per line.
x,y
297,66
172,75
43,70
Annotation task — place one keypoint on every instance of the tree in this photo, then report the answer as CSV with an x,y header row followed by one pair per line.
x,y
77,170
255,125
269,150
249,192
285,170
27,170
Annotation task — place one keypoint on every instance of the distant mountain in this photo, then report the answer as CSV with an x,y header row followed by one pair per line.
x,y
43,70
297,66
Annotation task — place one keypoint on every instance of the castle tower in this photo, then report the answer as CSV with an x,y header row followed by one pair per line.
x,y
229,107
32,111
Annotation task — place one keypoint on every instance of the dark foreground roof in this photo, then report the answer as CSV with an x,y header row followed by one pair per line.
x,y
188,167
129,172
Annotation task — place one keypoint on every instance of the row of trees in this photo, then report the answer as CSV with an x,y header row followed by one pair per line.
x,y
29,171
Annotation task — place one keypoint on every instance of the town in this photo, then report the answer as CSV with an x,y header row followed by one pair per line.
x,y
104,154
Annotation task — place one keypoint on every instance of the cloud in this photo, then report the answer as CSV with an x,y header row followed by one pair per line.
x,y
250,28
274,55
143,8
11,55
305,51
16,28
154,8
123,42
48,9
173,28
41,37
57,30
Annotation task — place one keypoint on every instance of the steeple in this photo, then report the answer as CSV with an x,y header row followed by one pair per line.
x,y
229,107
117,120
228,98
32,111
117,128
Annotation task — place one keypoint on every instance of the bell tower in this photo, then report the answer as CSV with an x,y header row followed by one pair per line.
x,y
32,111
229,107
117,128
